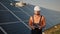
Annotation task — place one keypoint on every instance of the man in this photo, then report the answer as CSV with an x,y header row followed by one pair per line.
x,y
37,21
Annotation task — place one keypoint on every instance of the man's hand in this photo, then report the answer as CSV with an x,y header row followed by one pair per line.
x,y
40,27
32,27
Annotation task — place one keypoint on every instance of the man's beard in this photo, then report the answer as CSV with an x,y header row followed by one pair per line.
x,y
38,14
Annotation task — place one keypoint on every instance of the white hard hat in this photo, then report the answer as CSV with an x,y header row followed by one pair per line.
x,y
37,8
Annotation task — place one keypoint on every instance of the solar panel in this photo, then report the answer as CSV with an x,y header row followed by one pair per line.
x,y
14,20
1,32
1,7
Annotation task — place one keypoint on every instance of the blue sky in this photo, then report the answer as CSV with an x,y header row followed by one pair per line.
x,y
49,4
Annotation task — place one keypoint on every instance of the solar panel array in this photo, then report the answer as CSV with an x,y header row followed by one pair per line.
x,y
14,20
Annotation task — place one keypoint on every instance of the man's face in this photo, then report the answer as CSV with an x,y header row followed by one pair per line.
x,y
37,12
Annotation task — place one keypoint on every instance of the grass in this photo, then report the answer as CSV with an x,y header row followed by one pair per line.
x,y
53,30
56,32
